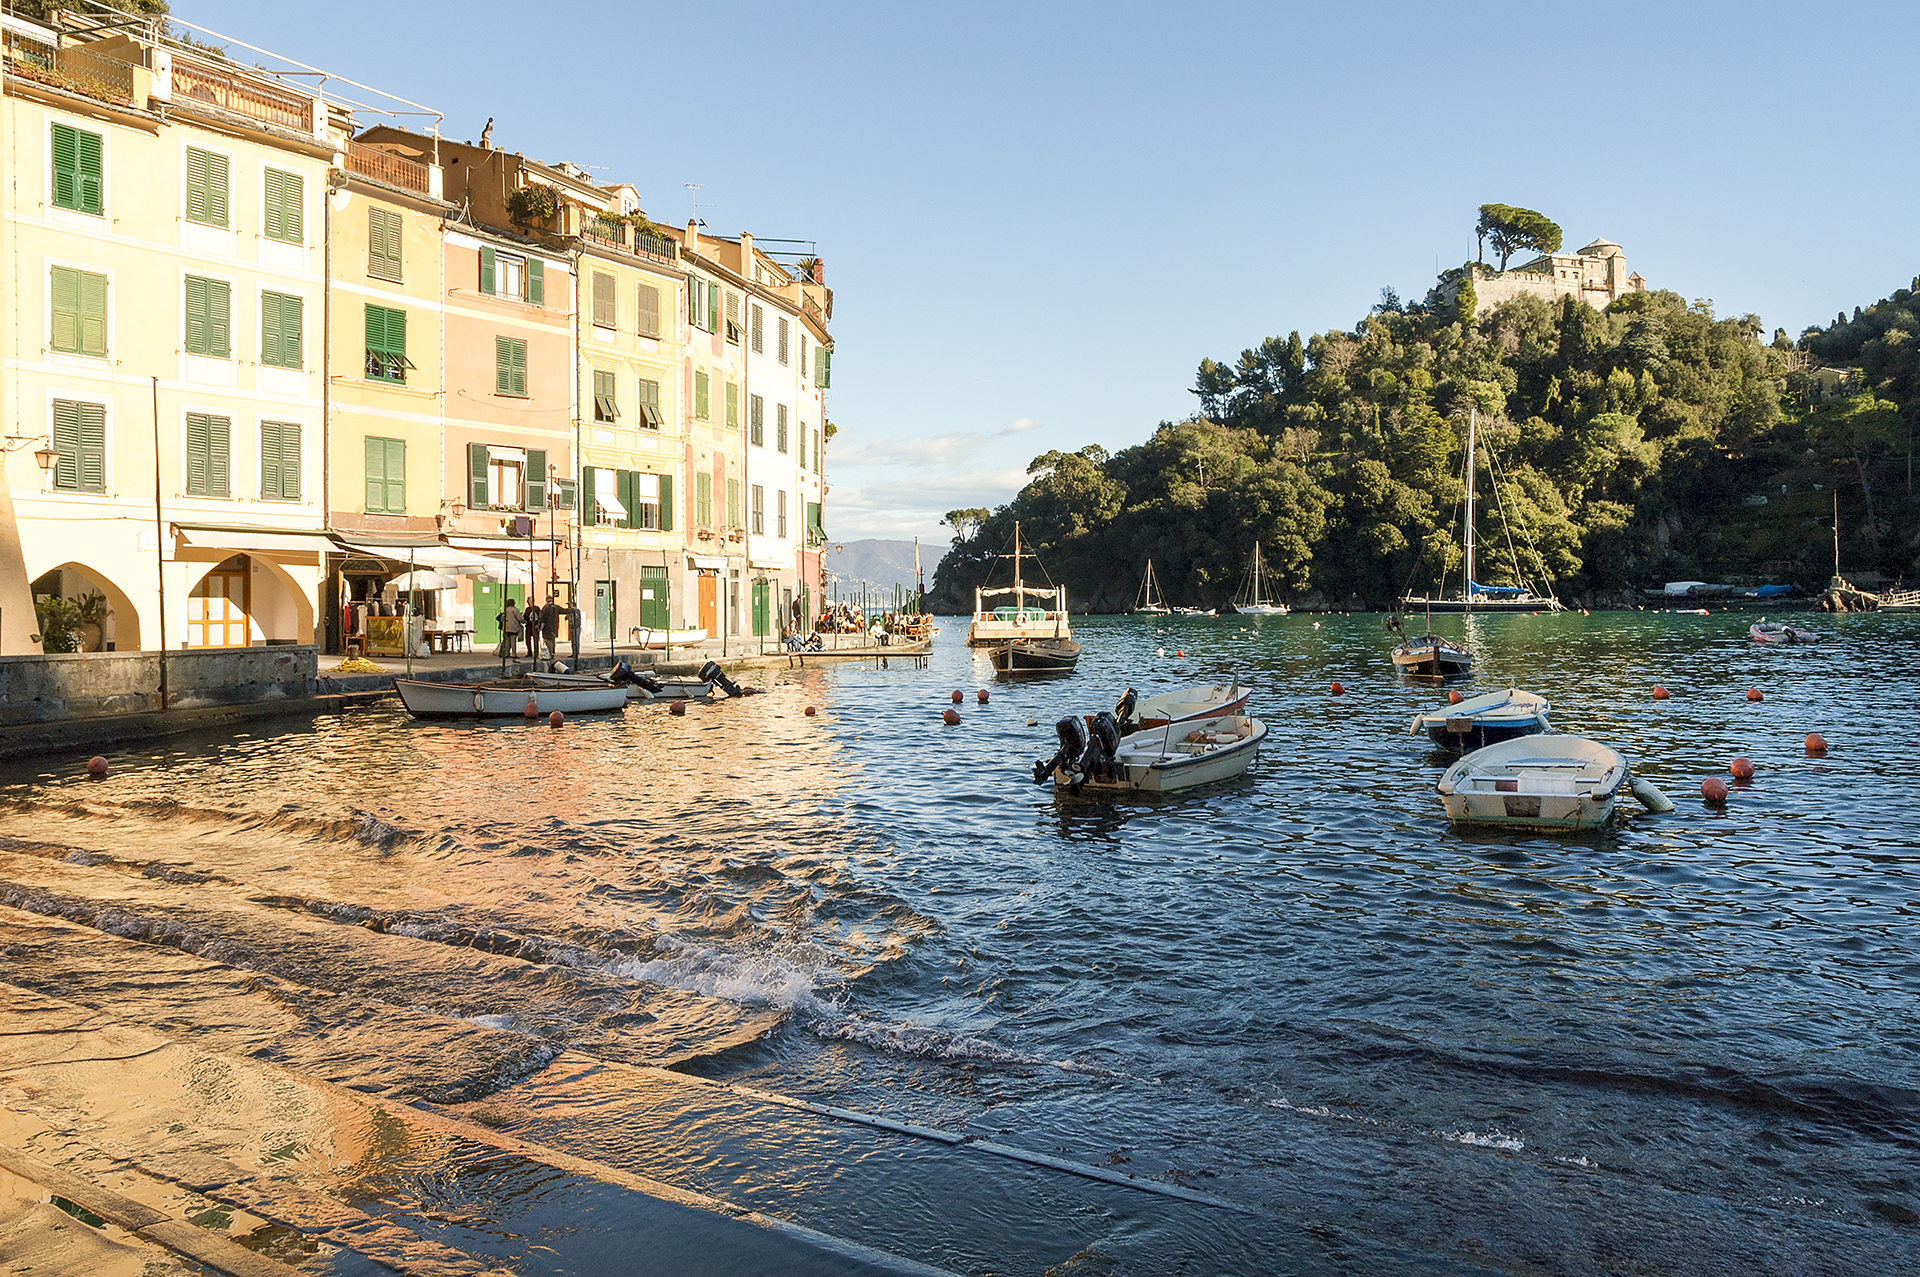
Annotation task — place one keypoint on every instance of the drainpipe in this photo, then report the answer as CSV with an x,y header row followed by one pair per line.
x,y
159,545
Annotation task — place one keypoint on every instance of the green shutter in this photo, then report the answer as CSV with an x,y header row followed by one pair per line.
x,y
733,503
66,178
280,335
376,475
207,317
536,478
196,315
626,490
206,187
702,408
66,441
198,447
384,233
519,367
713,308
477,476
80,437
217,432
93,314
650,404
65,287
703,500
606,306
733,406
502,365
279,461
487,275
93,447
285,210
396,472
693,301
606,399
563,494
89,179
536,281
666,503
649,311
826,369
269,461
589,507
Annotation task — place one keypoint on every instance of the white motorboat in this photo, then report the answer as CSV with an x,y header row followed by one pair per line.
x,y
1479,721
504,698
1181,705
1196,611
1542,782
1252,598
1161,760
643,686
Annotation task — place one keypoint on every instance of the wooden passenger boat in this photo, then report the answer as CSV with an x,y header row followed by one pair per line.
x,y
1432,656
1479,721
1537,782
504,698
1034,658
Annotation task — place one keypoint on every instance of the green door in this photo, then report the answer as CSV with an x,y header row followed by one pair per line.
x,y
654,612
489,599
603,611
760,617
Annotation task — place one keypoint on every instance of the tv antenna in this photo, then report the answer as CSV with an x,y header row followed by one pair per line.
x,y
693,192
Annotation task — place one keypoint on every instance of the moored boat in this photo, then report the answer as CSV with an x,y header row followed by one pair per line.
x,y
1149,601
1479,721
1179,756
1429,655
1765,631
1252,598
504,698
1181,705
1473,596
644,637
1541,782
1034,658
993,627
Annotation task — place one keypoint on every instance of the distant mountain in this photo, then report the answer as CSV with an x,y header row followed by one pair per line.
x,y
884,563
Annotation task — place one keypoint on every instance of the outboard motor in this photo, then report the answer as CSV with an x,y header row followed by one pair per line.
x,y
647,682
1103,746
1073,743
1123,712
621,675
712,673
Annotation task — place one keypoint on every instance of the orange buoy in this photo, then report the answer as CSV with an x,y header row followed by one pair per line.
x,y
1816,744
556,718
1753,694
1714,790
1741,768
678,707
981,696
956,696
1454,697
532,710
97,766
1336,689
810,711
1660,693
1182,653
951,718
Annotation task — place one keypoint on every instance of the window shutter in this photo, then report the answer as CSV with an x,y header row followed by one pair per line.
x,y
605,304
649,311
66,441
66,176
476,476
219,438
487,276
217,190
397,338
89,180
666,503
733,503
519,367
536,478
563,493
93,447
502,366
196,315
198,447
589,508
396,470
759,329
626,490
536,281
93,314
289,461
713,309
197,163
693,301
702,409
215,298
270,343
376,475
65,287
384,232
826,369
285,216
733,406
269,461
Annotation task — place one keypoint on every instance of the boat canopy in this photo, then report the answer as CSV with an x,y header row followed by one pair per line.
x,y
1498,591
1024,589
1019,614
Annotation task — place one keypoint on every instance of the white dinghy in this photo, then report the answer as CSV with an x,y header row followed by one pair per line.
x,y
1483,720
1181,705
1542,782
1159,760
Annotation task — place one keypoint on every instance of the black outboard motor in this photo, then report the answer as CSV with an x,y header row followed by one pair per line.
x,y
712,673
648,682
1073,743
1123,712
1103,746
621,675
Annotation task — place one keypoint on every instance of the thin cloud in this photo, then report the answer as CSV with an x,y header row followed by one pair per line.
x,y
1020,426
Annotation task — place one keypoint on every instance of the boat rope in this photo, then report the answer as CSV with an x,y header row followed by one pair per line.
x,y
1546,577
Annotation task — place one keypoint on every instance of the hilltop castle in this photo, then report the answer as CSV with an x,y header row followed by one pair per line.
x,y
1597,275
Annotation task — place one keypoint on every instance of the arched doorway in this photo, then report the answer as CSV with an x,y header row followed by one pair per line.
x,y
218,605
73,580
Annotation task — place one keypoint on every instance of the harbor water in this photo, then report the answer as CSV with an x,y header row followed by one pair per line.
x,y
1294,1023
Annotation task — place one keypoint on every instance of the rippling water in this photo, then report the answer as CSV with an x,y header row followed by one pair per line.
x,y
1685,1044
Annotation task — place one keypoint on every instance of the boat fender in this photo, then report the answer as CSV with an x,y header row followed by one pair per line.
x,y
1650,796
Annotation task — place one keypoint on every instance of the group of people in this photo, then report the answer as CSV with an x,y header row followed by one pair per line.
x,y
540,626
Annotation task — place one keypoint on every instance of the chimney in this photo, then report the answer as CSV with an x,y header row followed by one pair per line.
x,y
693,235
820,270
746,257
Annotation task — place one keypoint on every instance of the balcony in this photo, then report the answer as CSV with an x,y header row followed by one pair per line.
x,y
605,230
385,166
228,90
74,68
812,308
656,246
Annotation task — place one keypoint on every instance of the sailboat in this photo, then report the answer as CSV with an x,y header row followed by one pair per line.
x,y
1475,597
1253,599
1149,600
1022,640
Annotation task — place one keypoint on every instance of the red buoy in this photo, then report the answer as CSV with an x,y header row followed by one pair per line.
x,y
1714,790
1741,768
556,718
1660,693
532,710
1753,694
1182,653
956,696
810,711
1816,744
1454,697
981,696
1336,689
97,766
951,718
679,708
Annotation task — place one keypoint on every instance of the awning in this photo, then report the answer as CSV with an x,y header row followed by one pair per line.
x,y
604,484
424,555
252,540
500,545
506,454
768,565
707,563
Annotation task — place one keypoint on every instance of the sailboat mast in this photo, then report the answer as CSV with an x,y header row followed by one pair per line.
x,y
1466,588
1836,533
1019,595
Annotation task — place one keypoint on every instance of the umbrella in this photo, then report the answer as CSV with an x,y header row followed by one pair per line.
x,y
423,579
507,571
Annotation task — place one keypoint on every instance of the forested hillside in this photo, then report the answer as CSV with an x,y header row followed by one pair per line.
x,y
1651,442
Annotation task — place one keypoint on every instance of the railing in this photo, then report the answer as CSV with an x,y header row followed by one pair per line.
x,y
385,166
607,231
256,99
75,68
813,310
658,245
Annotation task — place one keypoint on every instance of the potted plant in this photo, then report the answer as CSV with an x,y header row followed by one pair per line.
x,y
92,610
534,202
59,623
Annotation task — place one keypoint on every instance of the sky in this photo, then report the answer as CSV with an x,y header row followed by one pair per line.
x,y
1038,218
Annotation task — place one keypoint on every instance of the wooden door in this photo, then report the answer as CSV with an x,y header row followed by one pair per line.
x,y
655,614
603,610
489,600
217,609
761,618
709,595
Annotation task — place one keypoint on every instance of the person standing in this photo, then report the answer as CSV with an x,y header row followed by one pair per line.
x,y
509,619
573,628
531,620
550,626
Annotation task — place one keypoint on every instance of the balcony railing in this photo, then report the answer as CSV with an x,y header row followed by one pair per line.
x,y
813,310
657,245
607,231
242,95
385,166
75,67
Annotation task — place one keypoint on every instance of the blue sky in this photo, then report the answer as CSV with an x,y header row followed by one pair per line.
x,y
1038,218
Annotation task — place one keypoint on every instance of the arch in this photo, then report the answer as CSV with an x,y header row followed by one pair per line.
x,y
277,605
123,628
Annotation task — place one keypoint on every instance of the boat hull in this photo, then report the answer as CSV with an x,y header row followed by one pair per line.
x,y
1190,705
1173,762
1432,657
1781,635
1262,609
1479,721
1038,658
667,638
488,700
1527,603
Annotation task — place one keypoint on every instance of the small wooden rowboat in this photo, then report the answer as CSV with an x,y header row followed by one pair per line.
x,y
506,698
1542,782
1182,704
1034,658
1484,720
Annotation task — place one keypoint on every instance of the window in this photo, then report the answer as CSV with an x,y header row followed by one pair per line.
x,y
506,479
733,504
606,405
209,444
279,461
696,301
79,312
284,216
815,533
822,367
207,317
759,510
206,187
733,406
780,514
77,179
80,437
387,344
650,404
629,499
384,229
280,319
510,275
756,421
759,329
649,311
713,308
779,427
703,500
606,306
733,318
386,476
702,409
803,447
783,339
510,366
608,510
816,452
